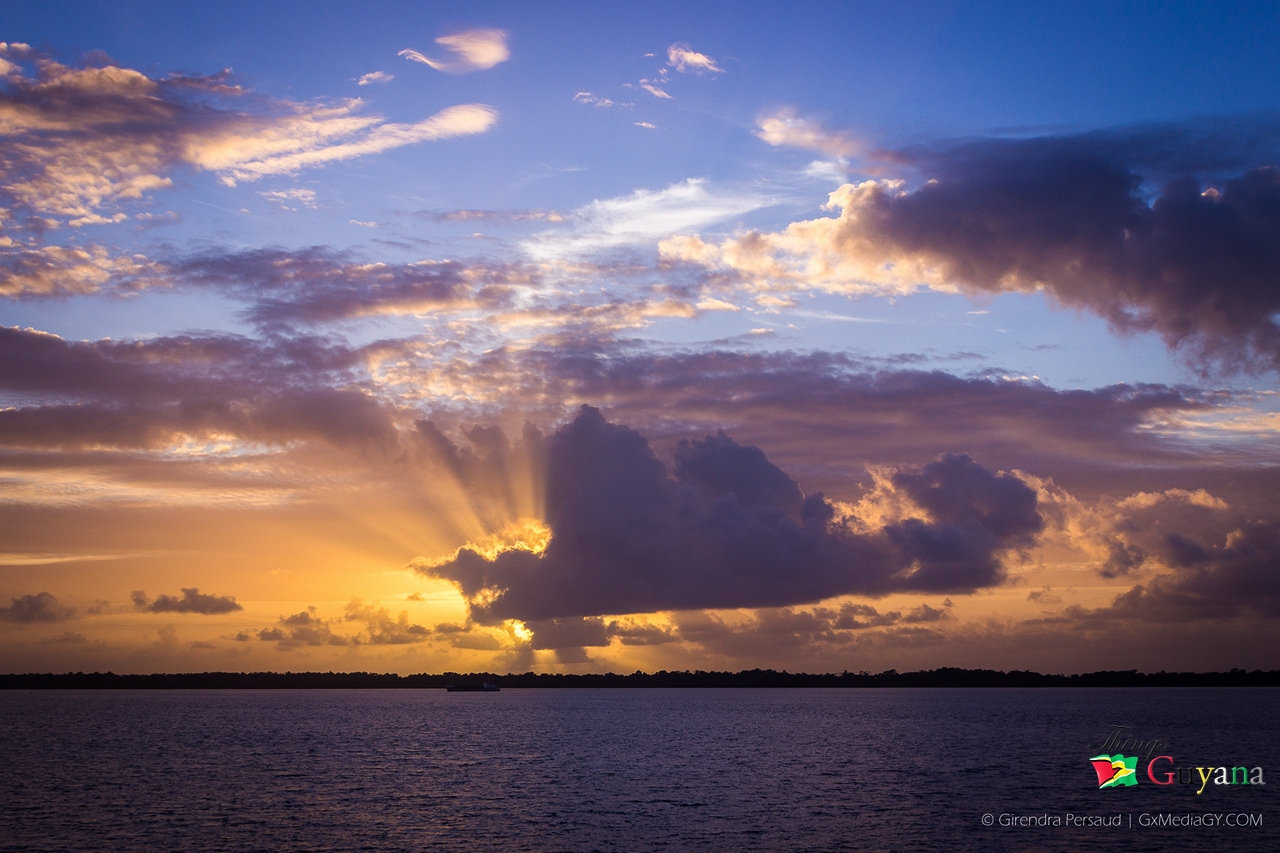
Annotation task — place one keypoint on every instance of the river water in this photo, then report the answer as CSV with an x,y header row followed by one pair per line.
x,y
627,770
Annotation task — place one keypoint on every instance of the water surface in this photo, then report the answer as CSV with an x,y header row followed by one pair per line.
x,y
615,770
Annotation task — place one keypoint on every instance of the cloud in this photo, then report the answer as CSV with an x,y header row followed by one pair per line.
x,y
192,601
256,155
731,529
158,393
41,607
57,272
381,629
1214,580
302,629
831,412
645,216
569,633
588,98
649,87
472,50
491,216
683,58
81,140
318,285
375,77
784,127
1069,216
307,198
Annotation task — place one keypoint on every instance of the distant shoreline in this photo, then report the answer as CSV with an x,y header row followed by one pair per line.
x,y
946,677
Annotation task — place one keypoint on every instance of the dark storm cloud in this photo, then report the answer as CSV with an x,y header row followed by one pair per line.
x,y
730,529
41,607
569,633
1211,580
975,515
192,600
1195,259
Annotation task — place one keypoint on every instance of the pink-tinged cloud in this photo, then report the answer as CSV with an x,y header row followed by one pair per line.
x,y
785,128
472,50
1195,261
81,140
682,57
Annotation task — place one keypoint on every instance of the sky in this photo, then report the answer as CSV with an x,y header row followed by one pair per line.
x,y
571,337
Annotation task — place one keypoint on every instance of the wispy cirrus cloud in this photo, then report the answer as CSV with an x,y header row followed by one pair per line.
x,y
284,198
472,50
291,145
645,216
597,101
651,87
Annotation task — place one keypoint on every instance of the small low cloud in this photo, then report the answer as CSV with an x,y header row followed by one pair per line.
x,y
302,629
192,600
652,89
286,198
596,101
375,77
645,216
785,128
381,629
472,50
685,59
41,607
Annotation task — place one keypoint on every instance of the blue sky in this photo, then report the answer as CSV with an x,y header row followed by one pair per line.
x,y
241,246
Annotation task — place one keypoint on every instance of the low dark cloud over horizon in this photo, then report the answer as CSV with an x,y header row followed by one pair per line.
x,y
731,529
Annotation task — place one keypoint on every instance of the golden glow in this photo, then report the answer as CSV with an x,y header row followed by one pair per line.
x,y
523,534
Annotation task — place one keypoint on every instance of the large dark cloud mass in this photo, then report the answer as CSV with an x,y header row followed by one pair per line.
x,y
1197,261
731,529
1212,580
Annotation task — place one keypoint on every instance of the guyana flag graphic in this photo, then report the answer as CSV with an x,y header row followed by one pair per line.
x,y
1115,770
